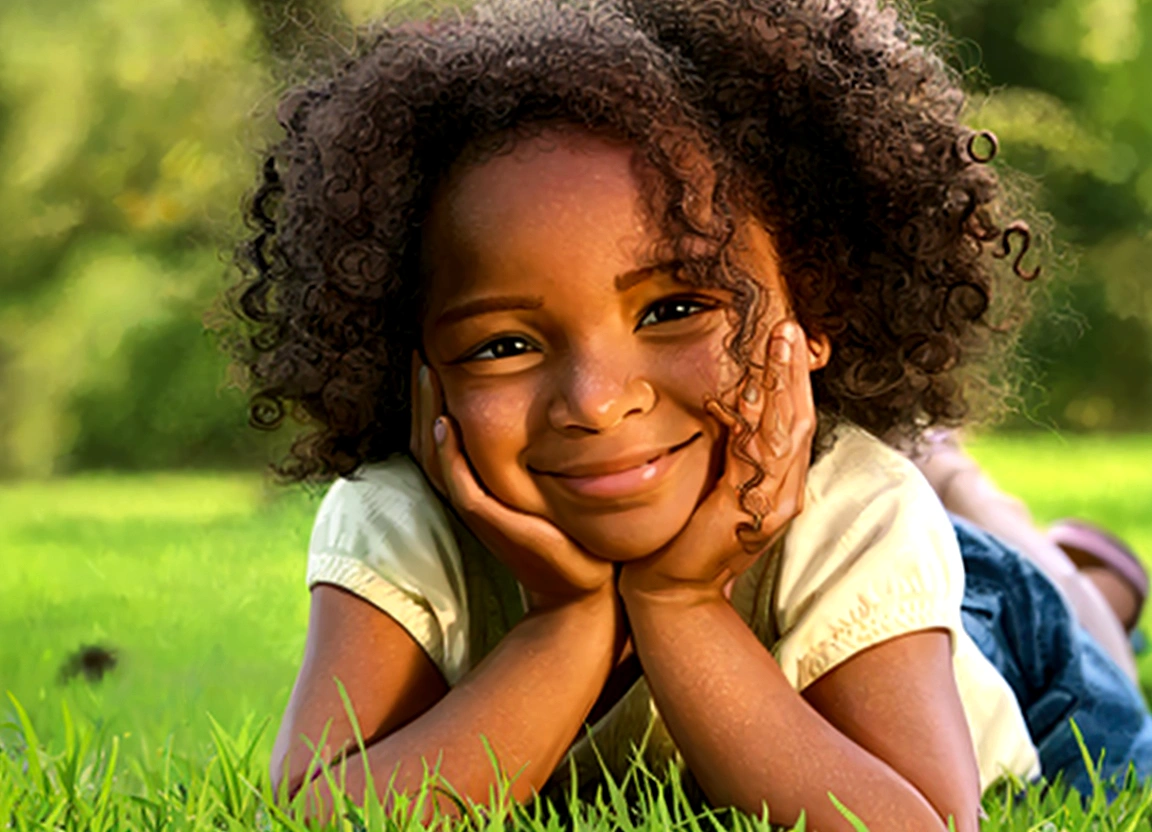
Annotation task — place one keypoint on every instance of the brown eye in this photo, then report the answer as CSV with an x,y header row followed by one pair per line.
x,y
508,347
672,309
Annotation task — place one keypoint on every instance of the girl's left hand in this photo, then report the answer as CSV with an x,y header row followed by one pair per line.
x,y
719,543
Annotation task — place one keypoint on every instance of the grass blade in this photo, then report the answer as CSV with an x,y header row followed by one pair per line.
x,y
857,824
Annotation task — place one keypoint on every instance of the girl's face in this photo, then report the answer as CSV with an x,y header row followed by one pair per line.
x,y
567,356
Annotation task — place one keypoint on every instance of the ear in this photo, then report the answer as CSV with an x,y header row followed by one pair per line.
x,y
819,351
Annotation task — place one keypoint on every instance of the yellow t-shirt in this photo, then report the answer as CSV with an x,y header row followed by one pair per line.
x,y
872,556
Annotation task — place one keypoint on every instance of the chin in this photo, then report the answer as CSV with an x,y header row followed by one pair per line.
x,y
627,539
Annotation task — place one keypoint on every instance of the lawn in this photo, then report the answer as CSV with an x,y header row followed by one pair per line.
x,y
196,582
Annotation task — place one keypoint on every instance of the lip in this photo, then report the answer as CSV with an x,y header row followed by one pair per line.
x,y
625,482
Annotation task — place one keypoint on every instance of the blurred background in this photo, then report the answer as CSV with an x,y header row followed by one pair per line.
x,y
128,137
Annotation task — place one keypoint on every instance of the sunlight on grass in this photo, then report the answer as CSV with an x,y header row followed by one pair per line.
x,y
197,582
162,496
83,783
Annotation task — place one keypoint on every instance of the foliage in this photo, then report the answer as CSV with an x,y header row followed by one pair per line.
x,y
1064,85
122,155
127,138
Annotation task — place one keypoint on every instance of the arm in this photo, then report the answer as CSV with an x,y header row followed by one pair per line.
x,y
398,684
884,732
745,732
529,698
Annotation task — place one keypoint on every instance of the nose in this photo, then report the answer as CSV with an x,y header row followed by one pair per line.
x,y
597,392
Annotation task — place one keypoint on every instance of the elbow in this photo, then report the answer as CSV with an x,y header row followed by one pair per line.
x,y
965,819
315,805
284,784
278,775
286,777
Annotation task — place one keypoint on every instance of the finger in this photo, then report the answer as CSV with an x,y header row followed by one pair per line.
x,y
470,498
789,373
752,399
803,415
460,483
777,440
788,499
492,520
756,401
737,461
759,349
729,516
722,415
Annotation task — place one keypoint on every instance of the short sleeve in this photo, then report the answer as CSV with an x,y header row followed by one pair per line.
x,y
871,557
385,536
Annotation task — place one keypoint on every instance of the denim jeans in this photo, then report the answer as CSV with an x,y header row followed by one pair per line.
x,y
1058,672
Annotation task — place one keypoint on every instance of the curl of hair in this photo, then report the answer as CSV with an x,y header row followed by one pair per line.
x,y
827,120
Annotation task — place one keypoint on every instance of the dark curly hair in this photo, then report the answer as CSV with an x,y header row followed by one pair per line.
x,y
831,121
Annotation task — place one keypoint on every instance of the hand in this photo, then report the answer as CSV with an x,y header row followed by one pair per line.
x,y
719,543
552,567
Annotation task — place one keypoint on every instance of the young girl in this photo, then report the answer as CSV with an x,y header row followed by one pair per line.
x,y
598,310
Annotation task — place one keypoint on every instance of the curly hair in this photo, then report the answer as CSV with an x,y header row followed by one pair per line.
x,y
830,121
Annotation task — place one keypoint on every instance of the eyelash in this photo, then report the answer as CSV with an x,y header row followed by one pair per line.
x,y
701,306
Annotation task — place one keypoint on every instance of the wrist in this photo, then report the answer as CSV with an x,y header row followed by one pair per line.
x,y
596,618
642,586
593,600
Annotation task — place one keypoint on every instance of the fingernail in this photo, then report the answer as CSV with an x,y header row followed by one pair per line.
x,y
439,430
752,392
782,347
422,375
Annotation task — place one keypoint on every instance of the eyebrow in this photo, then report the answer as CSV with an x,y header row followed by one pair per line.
x,y
627,280
481,306
500,303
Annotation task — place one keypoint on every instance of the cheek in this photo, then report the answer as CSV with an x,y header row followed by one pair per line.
x,y
699,370
494,429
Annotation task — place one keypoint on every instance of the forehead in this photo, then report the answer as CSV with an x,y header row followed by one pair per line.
x,y
560,192
559,168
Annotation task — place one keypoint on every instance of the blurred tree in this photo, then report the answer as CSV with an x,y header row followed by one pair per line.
x,y
127,133
1065,84
123,152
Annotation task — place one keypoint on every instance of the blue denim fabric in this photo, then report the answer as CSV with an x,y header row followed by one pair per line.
x,y
1058,672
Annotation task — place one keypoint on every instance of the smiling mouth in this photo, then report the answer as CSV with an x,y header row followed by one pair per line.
x,y
674,448
659,455
627,483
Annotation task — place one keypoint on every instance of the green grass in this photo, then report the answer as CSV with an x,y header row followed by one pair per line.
x,y
1106,480
197,582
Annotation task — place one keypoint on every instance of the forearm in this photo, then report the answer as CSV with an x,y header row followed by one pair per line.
x,y
528,698
747,735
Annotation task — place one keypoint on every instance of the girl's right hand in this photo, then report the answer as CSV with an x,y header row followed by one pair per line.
x,y
553,569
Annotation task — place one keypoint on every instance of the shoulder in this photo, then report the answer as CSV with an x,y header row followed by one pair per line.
x,y
872,555
384,535
395,482
858,468
861,493
382,504
387,524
